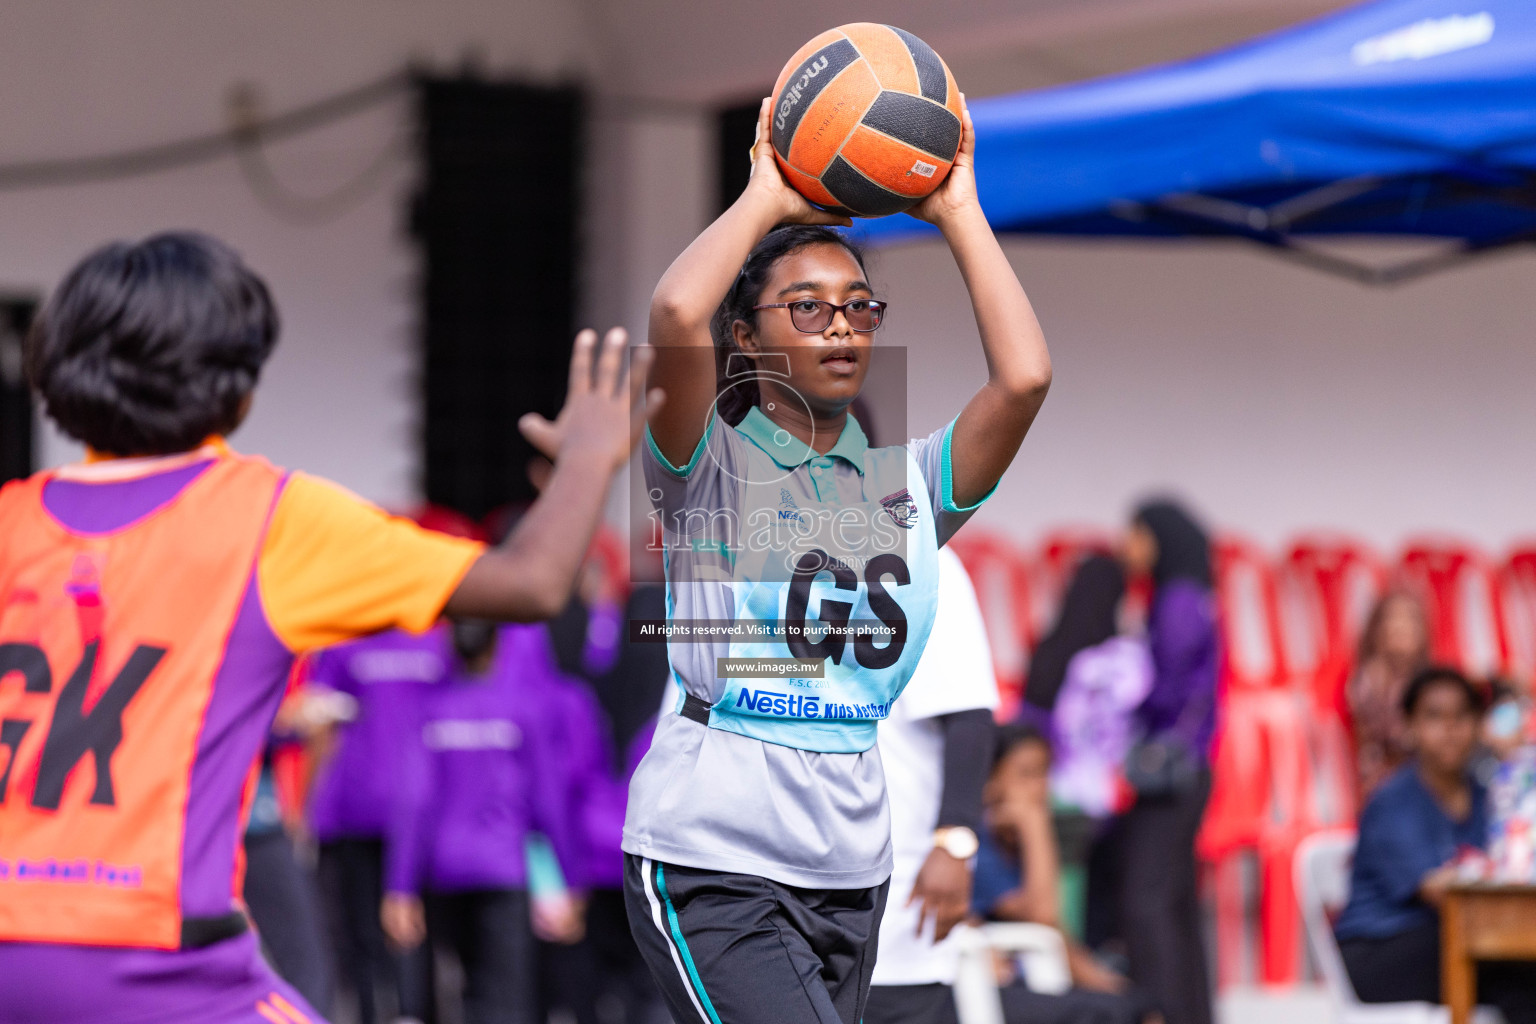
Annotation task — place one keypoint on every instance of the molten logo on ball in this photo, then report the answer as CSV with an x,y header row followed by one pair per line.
x,y
815,68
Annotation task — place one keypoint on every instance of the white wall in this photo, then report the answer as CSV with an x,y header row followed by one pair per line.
x,y
1274,397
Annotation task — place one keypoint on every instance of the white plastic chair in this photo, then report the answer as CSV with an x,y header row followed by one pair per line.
x,y
1322,887
1042,953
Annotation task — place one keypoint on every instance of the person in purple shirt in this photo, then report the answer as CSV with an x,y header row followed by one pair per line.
x,y
583,758
385,677
483,768
1153,849
587,671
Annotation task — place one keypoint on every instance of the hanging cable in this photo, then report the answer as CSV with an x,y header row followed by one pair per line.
x,y
201,148
251,132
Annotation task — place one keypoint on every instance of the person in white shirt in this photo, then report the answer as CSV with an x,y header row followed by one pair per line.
x,y
937,750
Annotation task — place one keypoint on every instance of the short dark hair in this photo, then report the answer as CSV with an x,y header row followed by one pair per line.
x,y
150,347
782,241
1011,736
1441,675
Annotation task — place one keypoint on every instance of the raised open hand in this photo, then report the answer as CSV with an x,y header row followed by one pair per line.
x,y
606,404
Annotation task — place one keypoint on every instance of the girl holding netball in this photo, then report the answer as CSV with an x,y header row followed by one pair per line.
x,y
757,836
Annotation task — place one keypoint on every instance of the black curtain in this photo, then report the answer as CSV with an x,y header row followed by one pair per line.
x,y
16,440
735,128
497,219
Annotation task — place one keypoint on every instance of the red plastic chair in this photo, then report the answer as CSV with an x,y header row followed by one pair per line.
x,y
1249,614
1004,587
1262,768
1465,603
1517,595
1328,585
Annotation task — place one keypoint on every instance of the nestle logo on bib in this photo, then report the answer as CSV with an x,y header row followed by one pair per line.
x,y
788,705
793,705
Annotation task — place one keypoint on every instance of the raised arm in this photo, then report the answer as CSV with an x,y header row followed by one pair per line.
x,y
531,575
694,285
993,423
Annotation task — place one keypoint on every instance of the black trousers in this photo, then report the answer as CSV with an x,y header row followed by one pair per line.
x,y
386,984
281,898
739,949
492,936
1406,967
1144,892
911,1004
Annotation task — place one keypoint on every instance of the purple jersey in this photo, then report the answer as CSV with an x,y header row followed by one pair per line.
x,y
592,795
388,676
482,768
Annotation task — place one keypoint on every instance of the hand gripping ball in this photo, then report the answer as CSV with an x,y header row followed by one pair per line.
x,y
866,120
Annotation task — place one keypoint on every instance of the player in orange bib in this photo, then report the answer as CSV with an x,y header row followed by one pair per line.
x,y
152,599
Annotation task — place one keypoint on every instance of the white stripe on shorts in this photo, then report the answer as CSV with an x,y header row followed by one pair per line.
x,y
658,915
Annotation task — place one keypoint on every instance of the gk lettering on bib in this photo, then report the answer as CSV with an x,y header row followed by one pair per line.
x,y
109,648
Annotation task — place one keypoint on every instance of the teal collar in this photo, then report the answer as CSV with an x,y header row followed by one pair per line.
x,y
789,451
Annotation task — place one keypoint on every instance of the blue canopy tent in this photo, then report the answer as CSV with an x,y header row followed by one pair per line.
x,y
1395,118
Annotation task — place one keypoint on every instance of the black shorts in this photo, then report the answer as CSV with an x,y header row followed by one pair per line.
x,y
739,949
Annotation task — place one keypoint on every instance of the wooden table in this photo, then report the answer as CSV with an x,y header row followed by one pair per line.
x,y
1482,921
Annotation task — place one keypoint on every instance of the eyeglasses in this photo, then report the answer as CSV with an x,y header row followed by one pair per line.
x,y
812,316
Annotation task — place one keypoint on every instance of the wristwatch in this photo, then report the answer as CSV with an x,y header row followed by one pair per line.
x,y
957,841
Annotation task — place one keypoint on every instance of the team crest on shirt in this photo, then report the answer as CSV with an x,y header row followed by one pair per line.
x,y
901,507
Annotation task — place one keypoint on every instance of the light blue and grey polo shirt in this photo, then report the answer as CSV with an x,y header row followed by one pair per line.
x,y
775,552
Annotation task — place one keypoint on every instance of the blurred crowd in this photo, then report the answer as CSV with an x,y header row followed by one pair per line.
x,y
435,830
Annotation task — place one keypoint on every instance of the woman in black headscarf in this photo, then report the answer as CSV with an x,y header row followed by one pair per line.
x,y
1159,913
1089,616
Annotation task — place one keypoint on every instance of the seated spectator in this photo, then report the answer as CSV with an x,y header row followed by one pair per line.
x,y
1393,646
1017,880
1412,832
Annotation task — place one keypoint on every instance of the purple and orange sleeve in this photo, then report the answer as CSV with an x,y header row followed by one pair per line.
x,y
334,567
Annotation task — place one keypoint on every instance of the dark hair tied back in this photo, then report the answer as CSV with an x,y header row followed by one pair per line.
x,y
782,241
148,348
